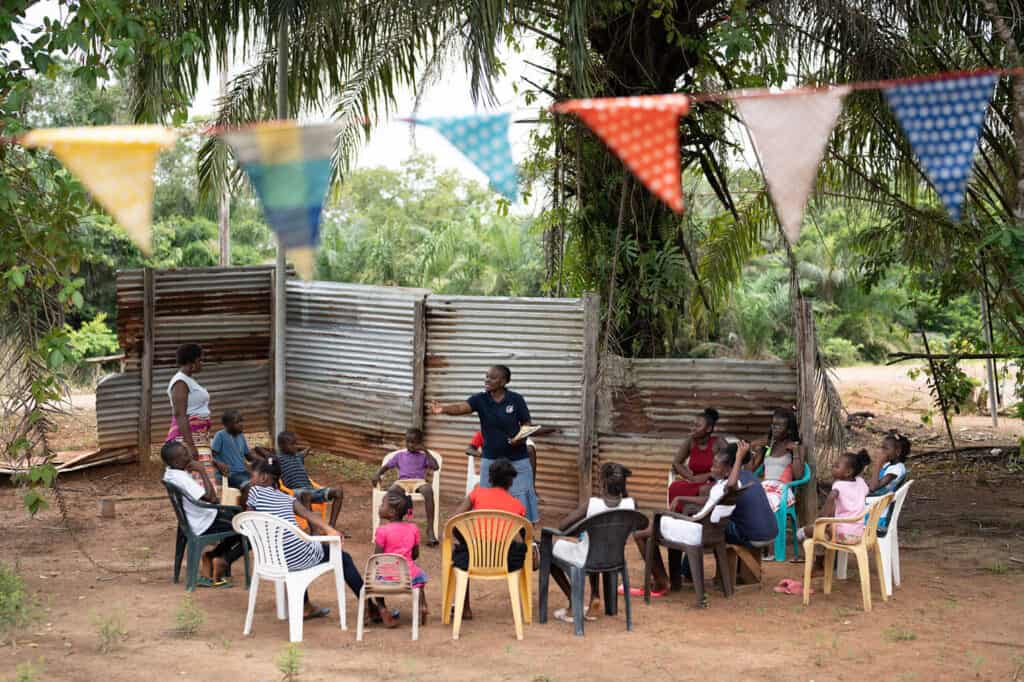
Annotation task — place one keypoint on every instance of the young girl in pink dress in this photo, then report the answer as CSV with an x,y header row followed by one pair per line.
x,y
846,500
395,536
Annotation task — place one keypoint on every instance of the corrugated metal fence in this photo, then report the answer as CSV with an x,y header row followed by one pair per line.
x,y
363,361
646,408
350,366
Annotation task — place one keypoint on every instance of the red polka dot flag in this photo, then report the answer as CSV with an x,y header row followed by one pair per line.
x,y
644,133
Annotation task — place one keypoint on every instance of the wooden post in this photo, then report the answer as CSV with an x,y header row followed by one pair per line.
x,y
940,395
807,362
272,356
588,409
146,369
419,353
990,364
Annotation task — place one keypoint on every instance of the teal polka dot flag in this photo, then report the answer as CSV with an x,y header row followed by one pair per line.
x,y
942,119
483,139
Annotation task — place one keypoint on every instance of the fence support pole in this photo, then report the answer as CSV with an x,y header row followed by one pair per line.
x,y
146,383
419,353
806,367
588,411
280,271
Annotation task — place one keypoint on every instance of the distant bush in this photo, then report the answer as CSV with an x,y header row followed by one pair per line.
x,y
91,340
18,608
840,352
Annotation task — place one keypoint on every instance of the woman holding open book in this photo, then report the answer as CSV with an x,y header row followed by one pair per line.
x,y
505,424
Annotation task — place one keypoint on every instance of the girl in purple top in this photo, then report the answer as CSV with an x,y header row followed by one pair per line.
x,y
413,464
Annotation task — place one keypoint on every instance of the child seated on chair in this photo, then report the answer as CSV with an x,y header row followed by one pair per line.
x,y
613,496
889,470
201,520
396,536
295,476
413,463
231,451
846,500
263,495
727,473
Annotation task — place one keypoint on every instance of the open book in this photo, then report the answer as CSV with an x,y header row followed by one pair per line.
x,y
525,432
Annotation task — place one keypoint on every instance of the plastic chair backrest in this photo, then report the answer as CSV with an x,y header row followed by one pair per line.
x,y
899,498
871,525
266,534
608,533
488,534
436,456
177,501
387,573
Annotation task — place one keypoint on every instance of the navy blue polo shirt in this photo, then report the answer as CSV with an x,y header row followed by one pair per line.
x,y
499,422
753,515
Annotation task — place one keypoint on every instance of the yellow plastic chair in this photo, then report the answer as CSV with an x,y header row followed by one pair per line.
x,y
410,486
315,507
862,550
488,534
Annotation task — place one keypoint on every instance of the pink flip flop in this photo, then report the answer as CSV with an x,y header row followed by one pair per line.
x,y
790,586
639,592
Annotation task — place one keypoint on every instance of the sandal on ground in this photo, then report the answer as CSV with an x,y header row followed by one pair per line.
x,y
223,582
203,581
562,615
790,586
319,613
639,592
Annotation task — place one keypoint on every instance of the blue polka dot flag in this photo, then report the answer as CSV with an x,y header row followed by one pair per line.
x,y
483,139
942,119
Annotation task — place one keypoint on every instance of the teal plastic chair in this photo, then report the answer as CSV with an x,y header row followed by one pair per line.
x,y
786,511
195,544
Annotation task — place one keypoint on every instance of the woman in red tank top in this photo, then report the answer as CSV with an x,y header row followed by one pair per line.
x,y
692,464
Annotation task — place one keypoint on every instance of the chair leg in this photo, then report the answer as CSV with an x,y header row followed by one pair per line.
x,y
279,596
543,580
339,587
253,588
447,593
610,584
841,565
894,558
808,565
625,598
195,552
796,525
780,539
295,603
864,569
830,562
517,607
650,549
883,577
359,614
525,596
577,580
695,557
245,558
415,613
724,570
461,583
179,553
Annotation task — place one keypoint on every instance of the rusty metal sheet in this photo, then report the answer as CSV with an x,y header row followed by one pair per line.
x,y
647,406
541,340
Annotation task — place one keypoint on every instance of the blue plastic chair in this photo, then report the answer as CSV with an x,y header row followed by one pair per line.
x,y
785,511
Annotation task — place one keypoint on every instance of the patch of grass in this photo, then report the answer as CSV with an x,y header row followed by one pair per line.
x,y
188,618
110,632
26,672
18,607
289,663
998,568
895,634
542,678
140,558
345,468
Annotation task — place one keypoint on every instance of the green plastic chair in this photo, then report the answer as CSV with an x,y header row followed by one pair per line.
x,y
786,511
197,543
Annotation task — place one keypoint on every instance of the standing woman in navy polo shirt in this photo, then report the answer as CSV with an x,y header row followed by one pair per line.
x,y
502,413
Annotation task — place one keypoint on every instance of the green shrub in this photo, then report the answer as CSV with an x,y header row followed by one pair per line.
x,y
26,672
188,618
290,663
18,608
840,352
91,340
110,632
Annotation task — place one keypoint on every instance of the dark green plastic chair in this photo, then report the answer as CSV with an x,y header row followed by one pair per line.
x,y
197,543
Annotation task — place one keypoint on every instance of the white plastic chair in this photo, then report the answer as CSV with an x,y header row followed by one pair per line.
x,y
435,483
266,534
387,575
888,543
472,477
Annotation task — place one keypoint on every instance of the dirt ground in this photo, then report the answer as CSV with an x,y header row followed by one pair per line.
x,y
958,615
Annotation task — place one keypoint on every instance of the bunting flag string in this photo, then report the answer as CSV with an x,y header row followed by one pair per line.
x,y
483,139
289,166
115,163
644,133
942,119
790,135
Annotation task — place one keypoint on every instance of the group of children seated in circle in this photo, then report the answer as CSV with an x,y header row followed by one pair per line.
x,y
707,467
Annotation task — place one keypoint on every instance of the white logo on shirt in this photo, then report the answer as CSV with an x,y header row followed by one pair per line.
x,y
509,409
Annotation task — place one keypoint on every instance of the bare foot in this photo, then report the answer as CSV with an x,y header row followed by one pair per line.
x,y
389,620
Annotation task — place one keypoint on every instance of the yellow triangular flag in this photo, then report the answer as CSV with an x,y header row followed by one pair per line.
x,y
115,163
303,260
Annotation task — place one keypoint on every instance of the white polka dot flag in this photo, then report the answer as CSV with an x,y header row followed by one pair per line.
x,y
483,139
644,133
115,163
942,119
790,134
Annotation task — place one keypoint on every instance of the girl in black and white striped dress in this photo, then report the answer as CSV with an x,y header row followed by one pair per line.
x,y
264,496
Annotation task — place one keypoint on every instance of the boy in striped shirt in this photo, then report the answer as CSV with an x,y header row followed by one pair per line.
x,y
295,476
